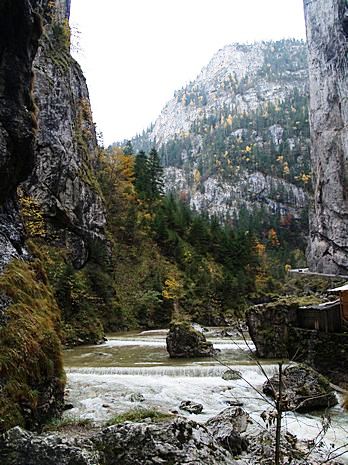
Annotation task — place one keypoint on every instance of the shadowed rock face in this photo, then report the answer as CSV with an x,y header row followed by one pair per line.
x,y
47,135
20,29
326,23
19,33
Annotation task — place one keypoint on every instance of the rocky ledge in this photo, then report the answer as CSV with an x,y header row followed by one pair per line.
x,y
223,440
303,389
185,341
173,442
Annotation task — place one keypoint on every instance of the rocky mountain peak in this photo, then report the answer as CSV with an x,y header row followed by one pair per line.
x,y
237,137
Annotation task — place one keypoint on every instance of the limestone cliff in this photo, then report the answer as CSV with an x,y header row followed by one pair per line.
x,y
63,180
327,33
48,154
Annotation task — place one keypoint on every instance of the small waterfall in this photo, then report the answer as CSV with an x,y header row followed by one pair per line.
x,y
175,372
216,371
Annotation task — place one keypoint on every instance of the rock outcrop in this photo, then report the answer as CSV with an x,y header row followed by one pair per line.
x,y
268,327
63,180
175,442
303,389
276,332
17,113
191,407
227,426
183,341
327,39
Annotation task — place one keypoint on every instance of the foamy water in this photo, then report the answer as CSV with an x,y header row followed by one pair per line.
x,y
103,380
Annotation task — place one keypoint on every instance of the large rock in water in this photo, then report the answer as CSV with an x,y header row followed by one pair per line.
x,y
184,341
303,389
327,32
172,443
268,327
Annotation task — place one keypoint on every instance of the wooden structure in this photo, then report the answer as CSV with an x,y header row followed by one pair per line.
x,y
325,317
343,293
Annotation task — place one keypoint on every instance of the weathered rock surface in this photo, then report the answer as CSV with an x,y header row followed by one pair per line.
x,y
173,443
48,149
231,375
303,389
274,330
191,407
19,447
63,179
328,62
325,352
17,52
268,327
183,341
226,428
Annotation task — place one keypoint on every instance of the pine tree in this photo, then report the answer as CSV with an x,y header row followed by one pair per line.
x,y
142,175
155,175
128,148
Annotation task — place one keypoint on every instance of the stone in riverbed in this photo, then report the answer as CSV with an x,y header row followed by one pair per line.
x,y
191,407
304,389
137,397
231,375
226,428
184,341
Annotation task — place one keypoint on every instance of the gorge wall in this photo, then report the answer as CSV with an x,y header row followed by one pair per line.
x,y
327,32
48,194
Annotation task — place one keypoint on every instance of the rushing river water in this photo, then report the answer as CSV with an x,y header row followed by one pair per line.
x,y
106,380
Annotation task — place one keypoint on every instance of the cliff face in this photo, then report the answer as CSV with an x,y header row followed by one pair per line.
x,y
20,30
63,180
47,136
327,33
48,154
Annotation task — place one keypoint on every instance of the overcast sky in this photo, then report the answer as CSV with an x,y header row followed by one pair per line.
x,y
136,53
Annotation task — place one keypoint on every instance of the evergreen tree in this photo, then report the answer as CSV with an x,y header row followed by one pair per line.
x,y
142,175
155,175
128,148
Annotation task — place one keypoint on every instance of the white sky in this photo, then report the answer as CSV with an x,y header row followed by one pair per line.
x,y
136,53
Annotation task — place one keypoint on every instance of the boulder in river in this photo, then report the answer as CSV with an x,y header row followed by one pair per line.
x,y
184,341
227,426
303,389
137,397
191,407
231,375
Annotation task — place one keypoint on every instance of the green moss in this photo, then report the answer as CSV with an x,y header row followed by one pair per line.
x,y
84,296
138,415
30,348
60,424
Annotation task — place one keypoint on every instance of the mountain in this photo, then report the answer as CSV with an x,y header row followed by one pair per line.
x,y
237,138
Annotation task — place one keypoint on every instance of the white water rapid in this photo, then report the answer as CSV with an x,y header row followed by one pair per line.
x,y
106,380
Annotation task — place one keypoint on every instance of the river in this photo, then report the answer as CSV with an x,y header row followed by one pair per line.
x,y
107,379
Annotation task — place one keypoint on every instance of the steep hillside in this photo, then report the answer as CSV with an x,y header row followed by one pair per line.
x,y
237,137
